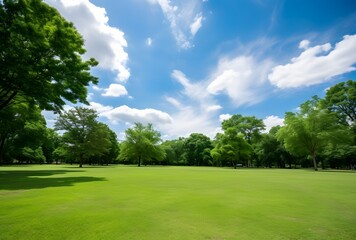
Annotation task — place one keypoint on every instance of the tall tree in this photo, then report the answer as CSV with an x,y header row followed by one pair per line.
x,y
40,56
142,144
341,98
308,132
84,136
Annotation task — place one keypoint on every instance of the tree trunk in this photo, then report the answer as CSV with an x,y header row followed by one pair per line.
x,y
139,161
81,160
2,143
314,161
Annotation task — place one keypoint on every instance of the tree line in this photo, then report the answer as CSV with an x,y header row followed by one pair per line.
x,y
320,135
42,68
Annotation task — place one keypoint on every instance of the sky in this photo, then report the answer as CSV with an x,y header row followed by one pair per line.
x,y
187,65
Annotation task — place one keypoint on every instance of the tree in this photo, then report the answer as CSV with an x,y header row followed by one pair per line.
x,y
308,132
230,147
142,144
250,127
40,56
341,99
82,132
22,125
194,148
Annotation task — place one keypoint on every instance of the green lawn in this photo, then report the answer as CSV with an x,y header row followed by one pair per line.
x,y
126,202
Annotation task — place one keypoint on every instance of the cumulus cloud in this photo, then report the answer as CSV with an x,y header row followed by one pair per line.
x,y
185,19
132,115
105,43
241,78
115,90
99,107
271,121
316,64
190,120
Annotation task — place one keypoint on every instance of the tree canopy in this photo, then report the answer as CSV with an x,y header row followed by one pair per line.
x,y
84,136
41,56
142,144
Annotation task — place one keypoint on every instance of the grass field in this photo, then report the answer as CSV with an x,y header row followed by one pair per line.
x,y
126,202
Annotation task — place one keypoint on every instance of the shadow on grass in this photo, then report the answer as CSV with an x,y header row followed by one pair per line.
x,y
22,179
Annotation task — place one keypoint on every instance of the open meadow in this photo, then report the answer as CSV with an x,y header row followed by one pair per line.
x,y
127,202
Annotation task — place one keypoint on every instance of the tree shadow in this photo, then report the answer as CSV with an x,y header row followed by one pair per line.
x,y
23,180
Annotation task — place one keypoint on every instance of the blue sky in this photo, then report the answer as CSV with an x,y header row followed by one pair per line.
x,y
185,65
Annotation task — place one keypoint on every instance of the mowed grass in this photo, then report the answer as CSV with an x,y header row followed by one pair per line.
x,y
127,202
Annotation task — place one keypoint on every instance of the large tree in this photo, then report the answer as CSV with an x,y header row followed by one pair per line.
x,y
84,136
309,131
21,126
41,56
341,98
142,144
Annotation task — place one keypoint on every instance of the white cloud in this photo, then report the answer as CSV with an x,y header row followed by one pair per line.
x,y
185,19
316,65
132,115
103,42
223,117
271,121
115,90
189,120
99,107
174,102
241,78
213,108
196,25
304,44
96,88
149,41
196,91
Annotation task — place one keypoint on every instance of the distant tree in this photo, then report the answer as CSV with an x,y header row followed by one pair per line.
x,y
84,136
250,127
41,56
142,144
174,151
308,132
195,148
230,147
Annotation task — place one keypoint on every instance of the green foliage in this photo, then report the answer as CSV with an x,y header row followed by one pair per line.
x,y
231,149
196,148
308,132
142,144
84,137
22,132
250,127
40,56
341,99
